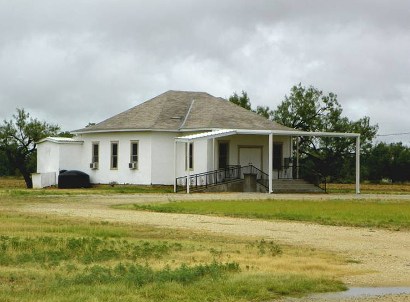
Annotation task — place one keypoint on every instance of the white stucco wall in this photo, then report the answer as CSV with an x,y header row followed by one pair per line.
x,y
123,174
162,152
69,155
56,156
48,154
53,156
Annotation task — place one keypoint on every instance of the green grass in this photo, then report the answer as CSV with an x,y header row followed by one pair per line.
x,y
60,259
392,214
15,186
95,190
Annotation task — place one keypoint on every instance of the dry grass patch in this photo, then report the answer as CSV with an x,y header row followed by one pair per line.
x,y
370,188
50,259
9,182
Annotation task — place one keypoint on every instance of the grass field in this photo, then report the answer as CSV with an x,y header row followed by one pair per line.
x,y
367,188
50,259
55,259
16,186
392,214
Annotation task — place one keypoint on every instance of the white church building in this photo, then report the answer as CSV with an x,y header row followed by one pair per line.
x,y
173,137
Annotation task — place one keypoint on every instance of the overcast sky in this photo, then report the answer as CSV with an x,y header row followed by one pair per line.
x,y
78,61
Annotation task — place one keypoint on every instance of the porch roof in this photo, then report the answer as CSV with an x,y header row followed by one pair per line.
x,y
226,132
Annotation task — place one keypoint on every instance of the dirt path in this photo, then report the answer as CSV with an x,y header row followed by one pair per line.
x,y
384,254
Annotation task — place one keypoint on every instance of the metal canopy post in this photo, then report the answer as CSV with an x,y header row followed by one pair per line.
x,y
175,166
358,164
270,162
213,154
188,168
297,134
297,157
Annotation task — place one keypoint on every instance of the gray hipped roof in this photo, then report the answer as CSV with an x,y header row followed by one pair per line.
x,y
185,110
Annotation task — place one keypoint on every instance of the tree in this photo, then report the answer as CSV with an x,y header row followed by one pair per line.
x,y
5,167
18,138
388,161
245,102
264,111
308,109
242,100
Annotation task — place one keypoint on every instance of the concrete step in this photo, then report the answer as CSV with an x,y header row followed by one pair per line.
x,y
294,186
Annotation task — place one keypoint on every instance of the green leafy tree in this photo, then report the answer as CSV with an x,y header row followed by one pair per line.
x,y
308,109
18,138
264,111
242,100
5,167
388,161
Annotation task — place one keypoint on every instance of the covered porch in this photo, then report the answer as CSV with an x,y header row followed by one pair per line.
x,y
228,155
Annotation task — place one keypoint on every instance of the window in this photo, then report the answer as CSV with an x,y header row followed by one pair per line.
x,y
191,156
134,155
277,156
114,155
223,154
95,151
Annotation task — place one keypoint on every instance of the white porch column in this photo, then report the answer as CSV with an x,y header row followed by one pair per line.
x,y
213,154
297,157
175,166
358,164
188,169
270,162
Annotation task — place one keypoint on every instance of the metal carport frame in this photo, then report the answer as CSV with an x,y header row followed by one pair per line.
x,y
226,132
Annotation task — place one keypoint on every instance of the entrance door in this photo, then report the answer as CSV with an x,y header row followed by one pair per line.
x,y
250,156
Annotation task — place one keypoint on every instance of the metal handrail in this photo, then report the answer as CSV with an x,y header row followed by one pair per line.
x,y
262,178
210,178
221,176
312,176
234,173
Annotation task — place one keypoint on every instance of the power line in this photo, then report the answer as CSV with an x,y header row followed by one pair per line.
x,y
393,134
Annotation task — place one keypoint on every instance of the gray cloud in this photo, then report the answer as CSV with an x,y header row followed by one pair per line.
x,y
73,62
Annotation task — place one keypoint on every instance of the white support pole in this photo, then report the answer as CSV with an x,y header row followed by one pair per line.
x,y
213,154
297,157
291,157
358,164
188,168
175,166
270,162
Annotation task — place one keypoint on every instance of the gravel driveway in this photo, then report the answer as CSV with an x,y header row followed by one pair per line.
x,y
384,254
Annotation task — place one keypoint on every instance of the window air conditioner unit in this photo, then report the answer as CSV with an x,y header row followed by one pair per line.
x,y
133,165
94,166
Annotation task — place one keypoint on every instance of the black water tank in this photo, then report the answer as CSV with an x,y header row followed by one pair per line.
x,y
73,179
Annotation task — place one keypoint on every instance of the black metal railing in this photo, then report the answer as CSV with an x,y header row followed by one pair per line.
x,y
262,178
234,173
211,178
302,172
310,175
221,176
